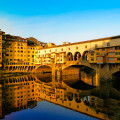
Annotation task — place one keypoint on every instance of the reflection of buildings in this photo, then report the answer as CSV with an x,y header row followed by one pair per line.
x,y
107,106
0,100
21,92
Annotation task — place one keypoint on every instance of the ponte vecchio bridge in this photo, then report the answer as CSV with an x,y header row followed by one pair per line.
x,y
100,58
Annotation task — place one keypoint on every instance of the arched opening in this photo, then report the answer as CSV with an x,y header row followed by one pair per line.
x,y
77,99
69,56
79,76
31,68
14,68
77,56
44,69
116,80
70,96
86,100
10,68
85,55
116,75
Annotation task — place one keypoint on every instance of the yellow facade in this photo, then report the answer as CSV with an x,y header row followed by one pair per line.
x,y
19,54
105,55
0,49
97,50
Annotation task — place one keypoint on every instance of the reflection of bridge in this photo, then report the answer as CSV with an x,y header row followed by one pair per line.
x,y
32,89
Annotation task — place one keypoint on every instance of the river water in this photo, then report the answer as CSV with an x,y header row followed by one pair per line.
x,y
44,97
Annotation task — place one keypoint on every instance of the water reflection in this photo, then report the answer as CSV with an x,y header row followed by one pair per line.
x,y
22,92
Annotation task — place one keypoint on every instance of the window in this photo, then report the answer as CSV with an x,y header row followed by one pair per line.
x,y
111,58
76,48
7,50
103,49
118,59
86,46
116,47
68,48
111,53
117,53
92,59
111,48
97,53
62,49
103,53
108,44
96,45
99,59
92,54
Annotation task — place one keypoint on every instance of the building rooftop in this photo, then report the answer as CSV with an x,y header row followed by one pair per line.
x,y
87,41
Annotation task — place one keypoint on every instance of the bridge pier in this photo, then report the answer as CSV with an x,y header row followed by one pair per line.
x,y
103,74
57,73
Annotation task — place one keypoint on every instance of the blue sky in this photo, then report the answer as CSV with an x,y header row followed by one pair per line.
x,y
60,20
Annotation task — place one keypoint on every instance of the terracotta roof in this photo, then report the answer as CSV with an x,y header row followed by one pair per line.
x,y
82,42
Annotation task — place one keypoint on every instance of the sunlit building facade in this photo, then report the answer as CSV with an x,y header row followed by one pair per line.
x,y
0,49
105,55
17,53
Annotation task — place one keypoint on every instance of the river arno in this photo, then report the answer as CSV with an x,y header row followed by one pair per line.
x,y
43,97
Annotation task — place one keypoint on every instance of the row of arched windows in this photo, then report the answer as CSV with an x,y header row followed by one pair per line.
x,y
77,56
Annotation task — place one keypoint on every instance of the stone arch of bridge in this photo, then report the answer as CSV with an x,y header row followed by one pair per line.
x,y
81,72
79,64
116,74
43,68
